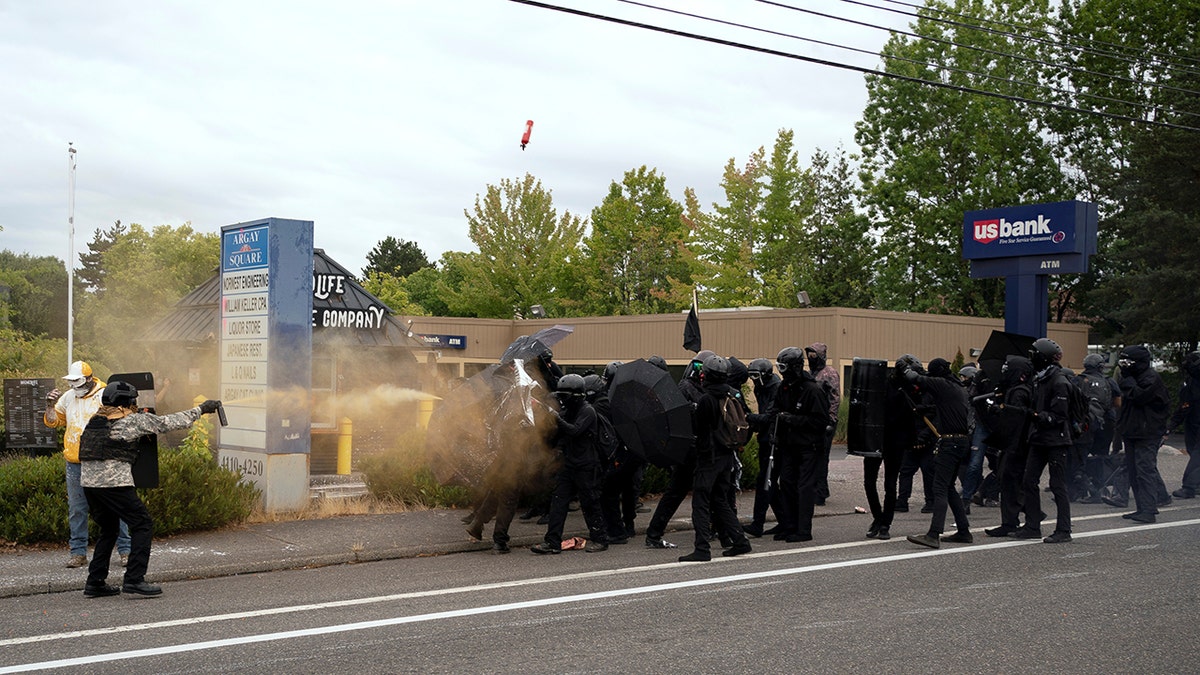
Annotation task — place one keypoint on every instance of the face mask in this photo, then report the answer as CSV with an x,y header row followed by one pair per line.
x,y
83,387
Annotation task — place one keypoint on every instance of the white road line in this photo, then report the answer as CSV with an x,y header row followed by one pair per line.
x,y
596,574
546,602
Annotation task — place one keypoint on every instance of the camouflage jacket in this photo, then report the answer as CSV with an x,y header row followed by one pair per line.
x,y
103,472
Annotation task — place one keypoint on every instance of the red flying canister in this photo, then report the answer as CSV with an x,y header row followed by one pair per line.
x,y
525,136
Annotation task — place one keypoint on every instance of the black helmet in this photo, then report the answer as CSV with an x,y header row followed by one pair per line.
x,y
571,385
790,361
119,395
908,361
1044,352
716,368
968,372
1094,362
592,384
657,361
610,370
1191,363
760,368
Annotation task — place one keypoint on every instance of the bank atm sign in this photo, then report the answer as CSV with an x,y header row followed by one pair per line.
x,y
1038,229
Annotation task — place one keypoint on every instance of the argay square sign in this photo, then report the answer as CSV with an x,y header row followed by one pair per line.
x,y
266,330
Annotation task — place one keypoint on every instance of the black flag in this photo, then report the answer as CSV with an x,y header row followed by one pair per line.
x,y
691,329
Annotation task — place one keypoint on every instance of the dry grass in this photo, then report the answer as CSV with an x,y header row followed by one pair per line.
x,y
318,509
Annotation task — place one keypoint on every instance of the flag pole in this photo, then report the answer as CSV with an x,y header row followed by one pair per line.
x,y
70,252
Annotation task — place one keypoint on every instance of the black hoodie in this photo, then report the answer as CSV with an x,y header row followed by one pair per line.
x,y
1145,402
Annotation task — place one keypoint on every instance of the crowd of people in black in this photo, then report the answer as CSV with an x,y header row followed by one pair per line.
x,y
947,426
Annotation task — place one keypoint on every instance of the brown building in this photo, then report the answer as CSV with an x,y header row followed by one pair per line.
x,y
359,348
747,333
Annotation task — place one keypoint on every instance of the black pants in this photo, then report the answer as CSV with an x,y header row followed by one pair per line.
x,y
584,483
797,488
822,486
108,507
890,461
682,477
766,486
618,498
1039,457
951,453
500,503
1012,475
1191,474
711,484
915,458
1141,465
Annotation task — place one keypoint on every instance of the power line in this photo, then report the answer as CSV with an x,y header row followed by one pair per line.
x,y
846,66
1159,55
983,50
1150,107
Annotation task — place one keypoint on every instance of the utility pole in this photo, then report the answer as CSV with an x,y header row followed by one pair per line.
x,y
70,252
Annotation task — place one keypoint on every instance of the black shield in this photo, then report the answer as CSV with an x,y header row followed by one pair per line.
x,y
868,393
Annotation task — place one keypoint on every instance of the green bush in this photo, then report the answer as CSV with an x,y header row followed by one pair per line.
x,y
33,499
402,474
194,493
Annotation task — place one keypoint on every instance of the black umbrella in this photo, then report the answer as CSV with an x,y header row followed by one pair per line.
x,y
525,348
1001,345
551,335
650,414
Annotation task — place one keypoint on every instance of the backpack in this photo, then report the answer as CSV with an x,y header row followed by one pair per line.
x,y
608,444
733,429
1079,411
1099,396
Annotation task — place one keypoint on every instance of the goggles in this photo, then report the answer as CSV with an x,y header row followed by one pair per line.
x,y
1124,363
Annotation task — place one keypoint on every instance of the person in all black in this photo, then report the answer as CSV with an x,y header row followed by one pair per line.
x,y
978,385
713,479
766,384
827,375
683,474
900,425
1049,443
108,447
1009,421
949,424
1145,406
1105,395
580,472
919,455
801,415
1188,414
618,499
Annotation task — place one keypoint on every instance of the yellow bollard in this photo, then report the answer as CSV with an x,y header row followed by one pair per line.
x,y
345,443
425,411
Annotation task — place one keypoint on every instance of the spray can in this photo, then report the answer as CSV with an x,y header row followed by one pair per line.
x,y
221,415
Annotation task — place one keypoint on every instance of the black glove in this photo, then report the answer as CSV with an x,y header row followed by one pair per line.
x,y
1128,384
210,406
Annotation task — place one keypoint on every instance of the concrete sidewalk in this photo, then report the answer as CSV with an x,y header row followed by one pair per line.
x,y
304,543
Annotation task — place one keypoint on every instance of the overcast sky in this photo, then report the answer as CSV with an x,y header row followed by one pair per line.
x,y
388,118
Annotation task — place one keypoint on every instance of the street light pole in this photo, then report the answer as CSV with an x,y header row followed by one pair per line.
x,y
70,252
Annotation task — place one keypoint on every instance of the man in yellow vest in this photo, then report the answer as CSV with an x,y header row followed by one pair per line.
x,y
72,409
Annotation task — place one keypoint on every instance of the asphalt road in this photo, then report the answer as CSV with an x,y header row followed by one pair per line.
x,y
1120,598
